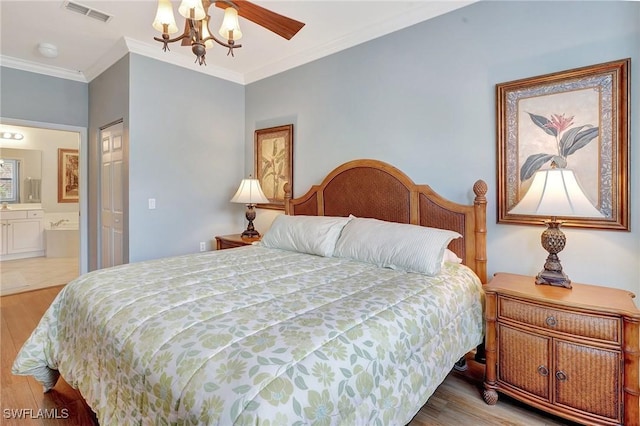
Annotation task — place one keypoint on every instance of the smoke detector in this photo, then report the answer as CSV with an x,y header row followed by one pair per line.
x,y
48,50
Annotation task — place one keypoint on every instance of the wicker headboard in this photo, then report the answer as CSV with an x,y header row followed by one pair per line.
x,y
374,189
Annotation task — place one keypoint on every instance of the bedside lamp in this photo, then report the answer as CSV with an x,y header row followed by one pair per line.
x,y
250,193
555,192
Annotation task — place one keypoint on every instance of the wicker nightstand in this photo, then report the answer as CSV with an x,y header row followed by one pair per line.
x,y
572,352
232,241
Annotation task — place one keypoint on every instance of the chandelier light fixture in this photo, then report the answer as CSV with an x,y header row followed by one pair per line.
x,y
196,32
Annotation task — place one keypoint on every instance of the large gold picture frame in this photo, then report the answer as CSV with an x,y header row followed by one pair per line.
x,y
575,119
273,158
68,180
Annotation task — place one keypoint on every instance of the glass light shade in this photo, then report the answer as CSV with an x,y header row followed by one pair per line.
x,y
198,10
249,192
556,192
164,15
230,24
205,32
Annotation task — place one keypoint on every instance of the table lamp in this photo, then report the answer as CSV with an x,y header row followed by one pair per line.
x,y
250,193
555,192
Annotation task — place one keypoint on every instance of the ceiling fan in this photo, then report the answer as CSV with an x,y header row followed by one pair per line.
x,y
196,32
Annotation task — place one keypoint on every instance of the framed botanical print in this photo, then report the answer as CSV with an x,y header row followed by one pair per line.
x,y
273,157
576,119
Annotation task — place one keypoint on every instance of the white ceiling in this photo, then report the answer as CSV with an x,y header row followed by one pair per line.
x,y
87,46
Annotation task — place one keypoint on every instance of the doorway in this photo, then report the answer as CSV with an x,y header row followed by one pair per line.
x,y
40,270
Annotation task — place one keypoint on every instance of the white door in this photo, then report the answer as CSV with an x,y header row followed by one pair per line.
x,y
112,213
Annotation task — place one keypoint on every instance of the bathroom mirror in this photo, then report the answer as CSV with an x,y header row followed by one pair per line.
x,y
20,175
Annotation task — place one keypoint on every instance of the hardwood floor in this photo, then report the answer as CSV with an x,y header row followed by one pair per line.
x,y
456,402
19,315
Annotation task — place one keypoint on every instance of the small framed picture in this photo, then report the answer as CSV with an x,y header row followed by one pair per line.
x,y
68,181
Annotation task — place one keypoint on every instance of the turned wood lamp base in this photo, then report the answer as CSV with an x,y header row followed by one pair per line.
x,y
250,214
553,240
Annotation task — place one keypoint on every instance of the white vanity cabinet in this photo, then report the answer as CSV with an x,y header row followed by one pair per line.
x,y
22,234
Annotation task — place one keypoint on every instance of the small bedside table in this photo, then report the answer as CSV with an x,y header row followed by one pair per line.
x,y
571,352
232,241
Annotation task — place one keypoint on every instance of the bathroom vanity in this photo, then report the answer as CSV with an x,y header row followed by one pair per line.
x,y
22,233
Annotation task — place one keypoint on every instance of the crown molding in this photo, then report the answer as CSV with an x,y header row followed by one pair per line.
x,y
422,12
21,64
182,60
117,52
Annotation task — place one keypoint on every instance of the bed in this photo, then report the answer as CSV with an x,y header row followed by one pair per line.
x,y
331,319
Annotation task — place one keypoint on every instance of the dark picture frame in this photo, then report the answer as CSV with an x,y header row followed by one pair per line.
x,y
68,180
577,119
273,163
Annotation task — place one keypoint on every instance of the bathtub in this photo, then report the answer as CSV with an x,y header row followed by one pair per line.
x,y
62,240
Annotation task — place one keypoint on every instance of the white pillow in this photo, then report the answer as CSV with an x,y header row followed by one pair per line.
x,y
411,248
450,257
305,234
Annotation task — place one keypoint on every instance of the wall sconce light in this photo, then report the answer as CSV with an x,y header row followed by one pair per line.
x,y
12,135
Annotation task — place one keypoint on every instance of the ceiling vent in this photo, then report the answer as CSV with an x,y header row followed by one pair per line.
x,y
87,11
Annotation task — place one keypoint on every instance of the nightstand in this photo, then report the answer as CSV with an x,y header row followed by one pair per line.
x,y
233,240
571,352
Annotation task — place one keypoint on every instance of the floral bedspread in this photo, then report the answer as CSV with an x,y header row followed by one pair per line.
x,y
255,336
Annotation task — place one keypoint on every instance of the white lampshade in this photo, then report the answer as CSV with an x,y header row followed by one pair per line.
x,y
556,192
164,15
249,192
186,7
230,23
205,32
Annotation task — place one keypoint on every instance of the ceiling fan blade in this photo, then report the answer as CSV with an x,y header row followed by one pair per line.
x,y
279,24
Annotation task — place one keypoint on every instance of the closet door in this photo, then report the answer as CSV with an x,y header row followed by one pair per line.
x,y
112,200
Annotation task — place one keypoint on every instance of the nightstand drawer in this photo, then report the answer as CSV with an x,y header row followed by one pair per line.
x,y
592,326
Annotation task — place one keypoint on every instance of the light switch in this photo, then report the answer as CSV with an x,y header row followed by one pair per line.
x,y
152,203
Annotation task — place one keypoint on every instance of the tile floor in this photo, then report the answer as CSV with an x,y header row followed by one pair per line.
x,y
37,272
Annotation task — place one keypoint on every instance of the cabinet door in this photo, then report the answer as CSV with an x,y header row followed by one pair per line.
x,y
24,235
3,237
524,362
588,379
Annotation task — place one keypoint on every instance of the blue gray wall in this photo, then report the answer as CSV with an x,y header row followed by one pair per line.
x,y
36,97
108,103
423,99
186,146
185,135
186,150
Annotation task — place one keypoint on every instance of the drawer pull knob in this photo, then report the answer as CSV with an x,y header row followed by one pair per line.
x,y
543,371
551,321
561,376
